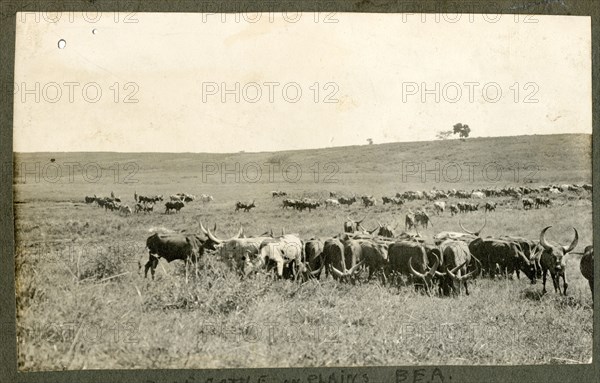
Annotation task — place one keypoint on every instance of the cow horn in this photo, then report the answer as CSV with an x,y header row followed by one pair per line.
x,y
317,271
354,268
573,244
476,233
271,232
212,237
436,264
335,271
543,239
239,233
215,228
282,231
374,230
471,274
413,271
454,270
365,217
203,229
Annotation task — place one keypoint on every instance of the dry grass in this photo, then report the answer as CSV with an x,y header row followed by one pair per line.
x,y
72,314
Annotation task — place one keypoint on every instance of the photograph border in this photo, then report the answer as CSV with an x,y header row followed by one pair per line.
x,y
452,374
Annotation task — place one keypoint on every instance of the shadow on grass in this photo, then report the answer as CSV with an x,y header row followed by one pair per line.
x,y
532,293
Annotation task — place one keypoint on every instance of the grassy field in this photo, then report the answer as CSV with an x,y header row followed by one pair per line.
x,y
81,302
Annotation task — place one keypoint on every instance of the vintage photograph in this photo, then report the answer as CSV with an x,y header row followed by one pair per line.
x,y
302,189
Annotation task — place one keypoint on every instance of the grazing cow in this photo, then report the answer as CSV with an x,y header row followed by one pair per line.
x,y
409,221
279,193
313,257
439,207
205,198
332,194
542,201
375,257
138,207
351,226
466,236
288,202
552,259
527,203
126,210
347,201
478,195
456,258
368,200
529,248
414,260
505,254
282,251
421,218
90,199
176,197
386,230
246,206
586,266
330,202
240,254
453,209
490,206
149,208
173,206
387,199
171,247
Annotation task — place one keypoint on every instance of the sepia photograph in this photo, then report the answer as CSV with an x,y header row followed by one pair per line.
x,y
239,190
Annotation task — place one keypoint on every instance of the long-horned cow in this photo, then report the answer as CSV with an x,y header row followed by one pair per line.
x,y
552,259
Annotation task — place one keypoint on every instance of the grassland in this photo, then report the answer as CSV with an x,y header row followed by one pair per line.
x,y
82,303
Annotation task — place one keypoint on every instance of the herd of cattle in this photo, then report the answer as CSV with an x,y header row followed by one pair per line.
x,y
145,203
436,195
448,263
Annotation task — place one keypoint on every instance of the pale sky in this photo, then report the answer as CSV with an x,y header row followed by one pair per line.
x,y
374,65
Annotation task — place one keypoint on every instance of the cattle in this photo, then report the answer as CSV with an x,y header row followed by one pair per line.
x,y
332,194
586,266
385,230
409,220
529,248
455,262
288,202
313,257
351,226
466,236
347,201
176,197
240,254
542,201
490,206
368,201
281,251
148,208
527,203
552,259
138,207
246,206
507,255
173,206
154,199
421,218
587,187
478,195
414,260
453,209
307,204
341,258
205,198
375,257
387,199
330,202
171,247
90,199
125,210
278,193
439,207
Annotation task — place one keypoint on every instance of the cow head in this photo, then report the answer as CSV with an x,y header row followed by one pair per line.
x,y
350,226
524,263
427,277
555,254
456,281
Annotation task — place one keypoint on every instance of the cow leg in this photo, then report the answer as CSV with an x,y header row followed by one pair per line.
x,y
544,272
565,283
280,268
591,283
555,281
